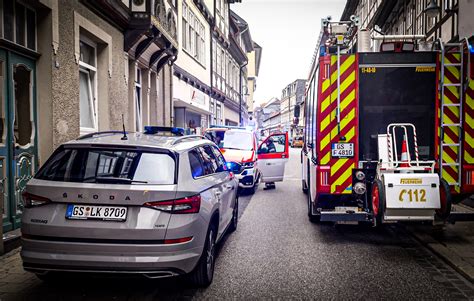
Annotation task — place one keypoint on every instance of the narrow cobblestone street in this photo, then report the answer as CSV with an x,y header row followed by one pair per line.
x,y
277,253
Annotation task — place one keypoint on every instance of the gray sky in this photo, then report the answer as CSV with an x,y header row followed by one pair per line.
x,y
287,30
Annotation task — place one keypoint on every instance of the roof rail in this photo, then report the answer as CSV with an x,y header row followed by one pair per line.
x,y
180,139
90,135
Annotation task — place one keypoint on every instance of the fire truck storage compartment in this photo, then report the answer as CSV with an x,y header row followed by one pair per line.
x,y
397,88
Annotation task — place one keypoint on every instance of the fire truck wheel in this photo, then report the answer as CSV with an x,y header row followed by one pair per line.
x,y
445,198
378,201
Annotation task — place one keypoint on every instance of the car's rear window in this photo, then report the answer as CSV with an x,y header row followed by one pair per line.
x,y
111,166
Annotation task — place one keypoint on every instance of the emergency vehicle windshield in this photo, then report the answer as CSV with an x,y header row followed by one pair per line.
x,y
236,139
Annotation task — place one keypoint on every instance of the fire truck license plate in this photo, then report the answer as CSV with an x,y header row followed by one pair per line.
x,y
342,150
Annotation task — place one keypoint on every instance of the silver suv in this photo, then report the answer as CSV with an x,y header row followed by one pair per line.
x,y
146,204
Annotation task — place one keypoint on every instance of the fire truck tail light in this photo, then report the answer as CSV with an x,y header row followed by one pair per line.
x,y
324,178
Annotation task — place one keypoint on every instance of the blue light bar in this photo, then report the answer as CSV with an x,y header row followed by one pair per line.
x,y
151,130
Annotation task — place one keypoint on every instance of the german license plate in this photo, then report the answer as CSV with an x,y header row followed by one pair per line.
x,y
104,213
342,150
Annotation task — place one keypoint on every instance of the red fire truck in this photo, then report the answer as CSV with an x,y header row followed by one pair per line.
x,y
389,135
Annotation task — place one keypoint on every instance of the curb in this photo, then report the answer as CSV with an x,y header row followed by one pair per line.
x,y
447,255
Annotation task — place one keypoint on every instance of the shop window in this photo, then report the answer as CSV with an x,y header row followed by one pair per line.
x,y
22,123
138,100
88,85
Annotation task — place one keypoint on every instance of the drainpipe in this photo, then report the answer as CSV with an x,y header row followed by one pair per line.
x,y
171,63
240,92
211,72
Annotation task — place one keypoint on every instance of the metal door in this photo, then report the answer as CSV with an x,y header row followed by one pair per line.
x,y
273,154
18,134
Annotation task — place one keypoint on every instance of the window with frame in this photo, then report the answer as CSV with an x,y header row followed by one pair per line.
x,y
409,18
221,163
214,54
212,110
138,100
18,24
218,59
184,29
88,85
211,163
218,114
419,17
196,164
194,35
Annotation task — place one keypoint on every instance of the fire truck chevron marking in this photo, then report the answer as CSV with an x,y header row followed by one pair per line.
x,y
452,74
344,84
339,163
452,94
325,85
344,122
451,116
347,173
469,124
344,66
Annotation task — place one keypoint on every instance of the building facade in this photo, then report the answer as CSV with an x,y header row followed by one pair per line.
x,y
192,86
253,69
210,73
452,22
291,96
69,68
227,61
269,116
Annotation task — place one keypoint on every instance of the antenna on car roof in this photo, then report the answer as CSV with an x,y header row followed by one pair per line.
x,y
124,132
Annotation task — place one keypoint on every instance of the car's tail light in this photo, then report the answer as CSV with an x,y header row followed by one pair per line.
x,y
178,240
190,204
32,200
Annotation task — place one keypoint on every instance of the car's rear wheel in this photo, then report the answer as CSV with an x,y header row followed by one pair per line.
x,y
235,216
204,271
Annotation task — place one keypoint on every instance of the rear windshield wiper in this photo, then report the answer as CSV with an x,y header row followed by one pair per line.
x,y
117,180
